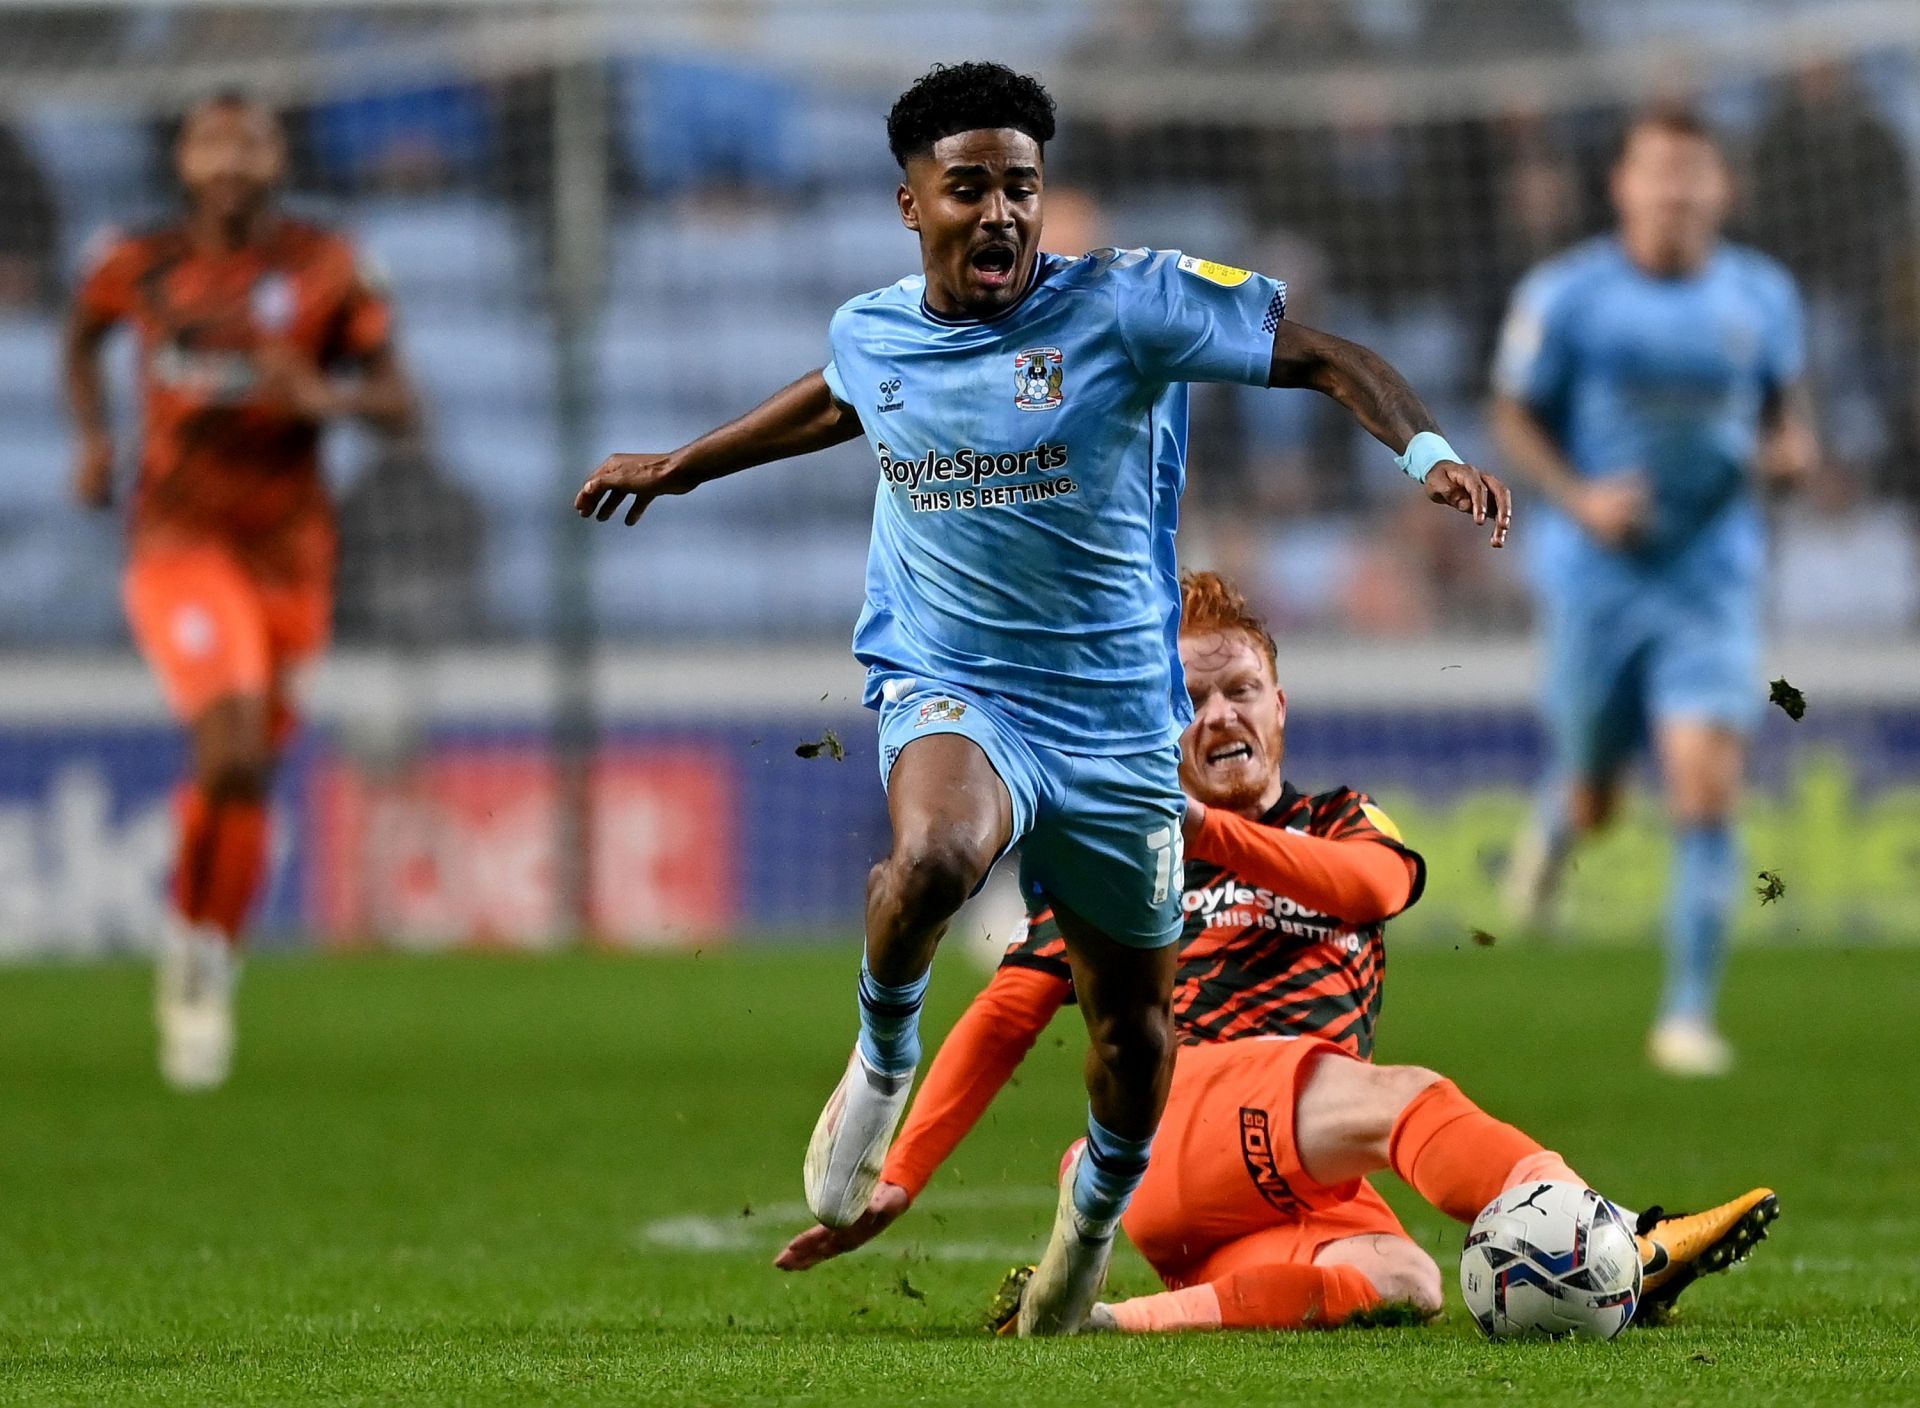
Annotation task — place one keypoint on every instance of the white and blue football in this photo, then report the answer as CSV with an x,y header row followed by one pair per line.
x,y
1550,1259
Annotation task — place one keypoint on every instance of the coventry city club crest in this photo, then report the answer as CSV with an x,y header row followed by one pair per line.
x,y
1037,374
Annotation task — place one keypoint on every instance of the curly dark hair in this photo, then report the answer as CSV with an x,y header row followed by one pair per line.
x,y
950,98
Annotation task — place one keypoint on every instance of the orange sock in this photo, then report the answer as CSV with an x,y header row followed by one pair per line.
x,y
1287,1296
223,858
1543,1167
1189,1308
1460,1158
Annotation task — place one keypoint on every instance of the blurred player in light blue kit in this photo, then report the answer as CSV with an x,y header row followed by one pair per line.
x,y
1029,416
1647,382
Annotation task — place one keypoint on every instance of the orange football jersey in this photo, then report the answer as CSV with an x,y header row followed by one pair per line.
x,y
1257,963
218,458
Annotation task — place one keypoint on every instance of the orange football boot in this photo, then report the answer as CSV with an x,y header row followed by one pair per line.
x,y
1678,1248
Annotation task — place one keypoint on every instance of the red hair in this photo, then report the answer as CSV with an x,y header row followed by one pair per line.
x,y
1208,602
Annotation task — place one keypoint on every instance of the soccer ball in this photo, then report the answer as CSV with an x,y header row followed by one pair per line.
x,y
1550,1259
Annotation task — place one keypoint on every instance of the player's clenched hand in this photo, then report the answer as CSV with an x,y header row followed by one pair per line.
x,y
1472,491
644,478
1614,510
93,475
1790,456
290,380
821,1243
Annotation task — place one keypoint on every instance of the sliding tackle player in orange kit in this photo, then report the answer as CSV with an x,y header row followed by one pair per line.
x,y
1256,1208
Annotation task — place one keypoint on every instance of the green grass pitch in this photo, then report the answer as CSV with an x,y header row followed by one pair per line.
x,y
476,1180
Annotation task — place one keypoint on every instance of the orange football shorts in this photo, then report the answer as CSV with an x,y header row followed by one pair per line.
x,y
210,628
1226,1188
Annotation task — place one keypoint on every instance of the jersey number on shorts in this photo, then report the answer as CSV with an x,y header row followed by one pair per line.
x,y
1168,848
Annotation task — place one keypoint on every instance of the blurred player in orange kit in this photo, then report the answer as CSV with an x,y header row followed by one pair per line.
x,y
254,330
1256,1208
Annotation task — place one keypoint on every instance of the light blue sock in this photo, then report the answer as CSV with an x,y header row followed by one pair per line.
x,y
890,1022
1109,1172
1706,865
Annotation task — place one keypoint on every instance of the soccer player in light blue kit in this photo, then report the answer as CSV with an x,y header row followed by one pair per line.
x,y
1029,414
1645,381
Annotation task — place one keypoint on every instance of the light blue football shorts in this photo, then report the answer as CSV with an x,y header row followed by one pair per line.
x,y
1620,662
1100,835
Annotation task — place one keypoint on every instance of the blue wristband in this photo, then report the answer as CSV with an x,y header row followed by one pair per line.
x,y
1424,451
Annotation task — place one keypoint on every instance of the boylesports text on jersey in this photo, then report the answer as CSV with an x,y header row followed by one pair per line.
x,y
967,464
220,376
1228,904
967,468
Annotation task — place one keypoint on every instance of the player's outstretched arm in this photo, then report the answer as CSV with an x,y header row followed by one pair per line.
x,y
1359,879
87,401
796,420
1379,398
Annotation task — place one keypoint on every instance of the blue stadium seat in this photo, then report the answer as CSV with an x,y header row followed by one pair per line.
x,y
707,369
516,575
634,361
509,457
439,121
454,246
52,586
33,568
29,368
862,246
703,583
1194,222
99,161
738,256
791,259
691,120
36,463
466,362
843,143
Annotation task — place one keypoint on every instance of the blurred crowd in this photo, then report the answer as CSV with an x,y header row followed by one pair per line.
x,y
748,201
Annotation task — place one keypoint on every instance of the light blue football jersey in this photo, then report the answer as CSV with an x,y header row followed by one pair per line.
x,y
1031,466
1666,376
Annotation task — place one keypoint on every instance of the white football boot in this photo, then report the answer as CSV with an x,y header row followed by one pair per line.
x,y
1689,1046
850,1141
193,1006
1072,1270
